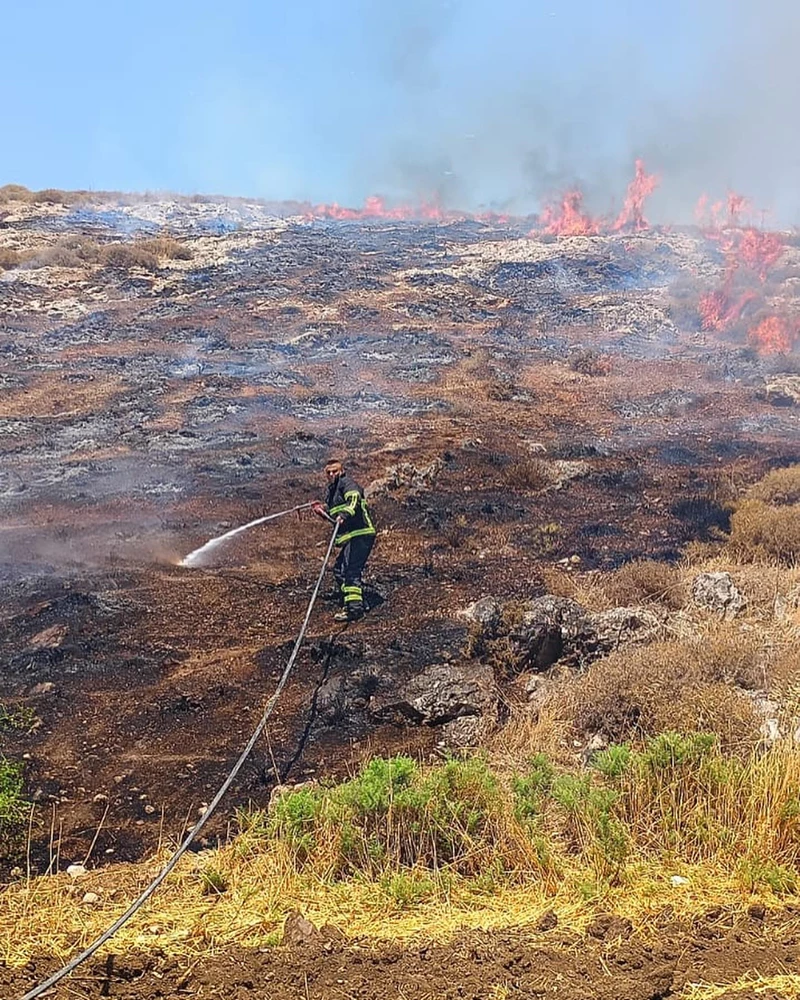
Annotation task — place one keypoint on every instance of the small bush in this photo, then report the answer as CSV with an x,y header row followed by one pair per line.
x,y
643,581
21,718
14,192
213,882
50,196
765,873
760,531
12,807
128,256
167,247
528,474
9,258
665,686
781,487
588,362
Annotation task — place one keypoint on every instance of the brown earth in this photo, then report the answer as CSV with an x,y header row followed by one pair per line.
x,y
610,963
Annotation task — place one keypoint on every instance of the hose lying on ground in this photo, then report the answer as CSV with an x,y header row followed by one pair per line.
x,y
190,837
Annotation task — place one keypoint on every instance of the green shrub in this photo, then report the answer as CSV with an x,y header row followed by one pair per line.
x,y
12,807
760,873
531,789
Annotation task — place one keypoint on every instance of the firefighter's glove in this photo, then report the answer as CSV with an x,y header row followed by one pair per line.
x,y
319,509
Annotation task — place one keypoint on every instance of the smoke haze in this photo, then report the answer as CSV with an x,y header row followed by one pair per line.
x,y
481,104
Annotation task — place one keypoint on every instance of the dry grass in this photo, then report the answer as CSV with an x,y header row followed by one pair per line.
x,y
9,258
165,247
761,531
127,256
531,474
644,581
14,192
665,804
679,685
46,917
780,487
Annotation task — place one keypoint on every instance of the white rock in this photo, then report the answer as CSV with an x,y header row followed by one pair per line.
x,y
91,899
76,871
679,880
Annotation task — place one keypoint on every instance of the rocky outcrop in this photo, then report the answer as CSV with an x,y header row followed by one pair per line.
x,y
783,390
551,628
718,593
485,614
406,475
621,626
440,694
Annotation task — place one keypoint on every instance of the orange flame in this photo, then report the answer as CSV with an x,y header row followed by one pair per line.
x,y
737,203
568,218
774,335
639,189
759,250
718,310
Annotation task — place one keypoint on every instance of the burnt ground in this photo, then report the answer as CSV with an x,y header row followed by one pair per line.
x,y
607,964
512,403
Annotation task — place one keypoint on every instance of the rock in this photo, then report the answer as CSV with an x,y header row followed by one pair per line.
x,y
718,592
49,638
442,693
608,926
486,613
756,911
76,871
536,688
280,790
621,626
677,880
551,628
770,731
783,390
467,731
299,932
546,922
407,475
91,899
331,699
46,687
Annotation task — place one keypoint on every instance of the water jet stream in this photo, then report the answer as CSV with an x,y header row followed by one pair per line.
x,y
195,558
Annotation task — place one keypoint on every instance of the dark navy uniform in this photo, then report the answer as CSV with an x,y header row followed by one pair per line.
x,y
356,536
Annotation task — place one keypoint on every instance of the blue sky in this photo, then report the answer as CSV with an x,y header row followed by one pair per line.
x,y
483,103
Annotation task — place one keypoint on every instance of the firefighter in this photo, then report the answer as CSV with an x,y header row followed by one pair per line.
x,y
345,504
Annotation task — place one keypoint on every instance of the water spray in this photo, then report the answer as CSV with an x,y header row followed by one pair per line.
x,y
195,558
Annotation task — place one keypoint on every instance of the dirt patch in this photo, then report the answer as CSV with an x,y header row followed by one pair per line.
x,y
718,948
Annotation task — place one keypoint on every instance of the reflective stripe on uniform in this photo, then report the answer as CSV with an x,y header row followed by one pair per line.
x,y
343,539
349,507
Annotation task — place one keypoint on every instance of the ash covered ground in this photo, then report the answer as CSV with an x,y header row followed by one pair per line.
x,y
510,401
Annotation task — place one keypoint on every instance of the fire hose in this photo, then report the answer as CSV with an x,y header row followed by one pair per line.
x,y
191,836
